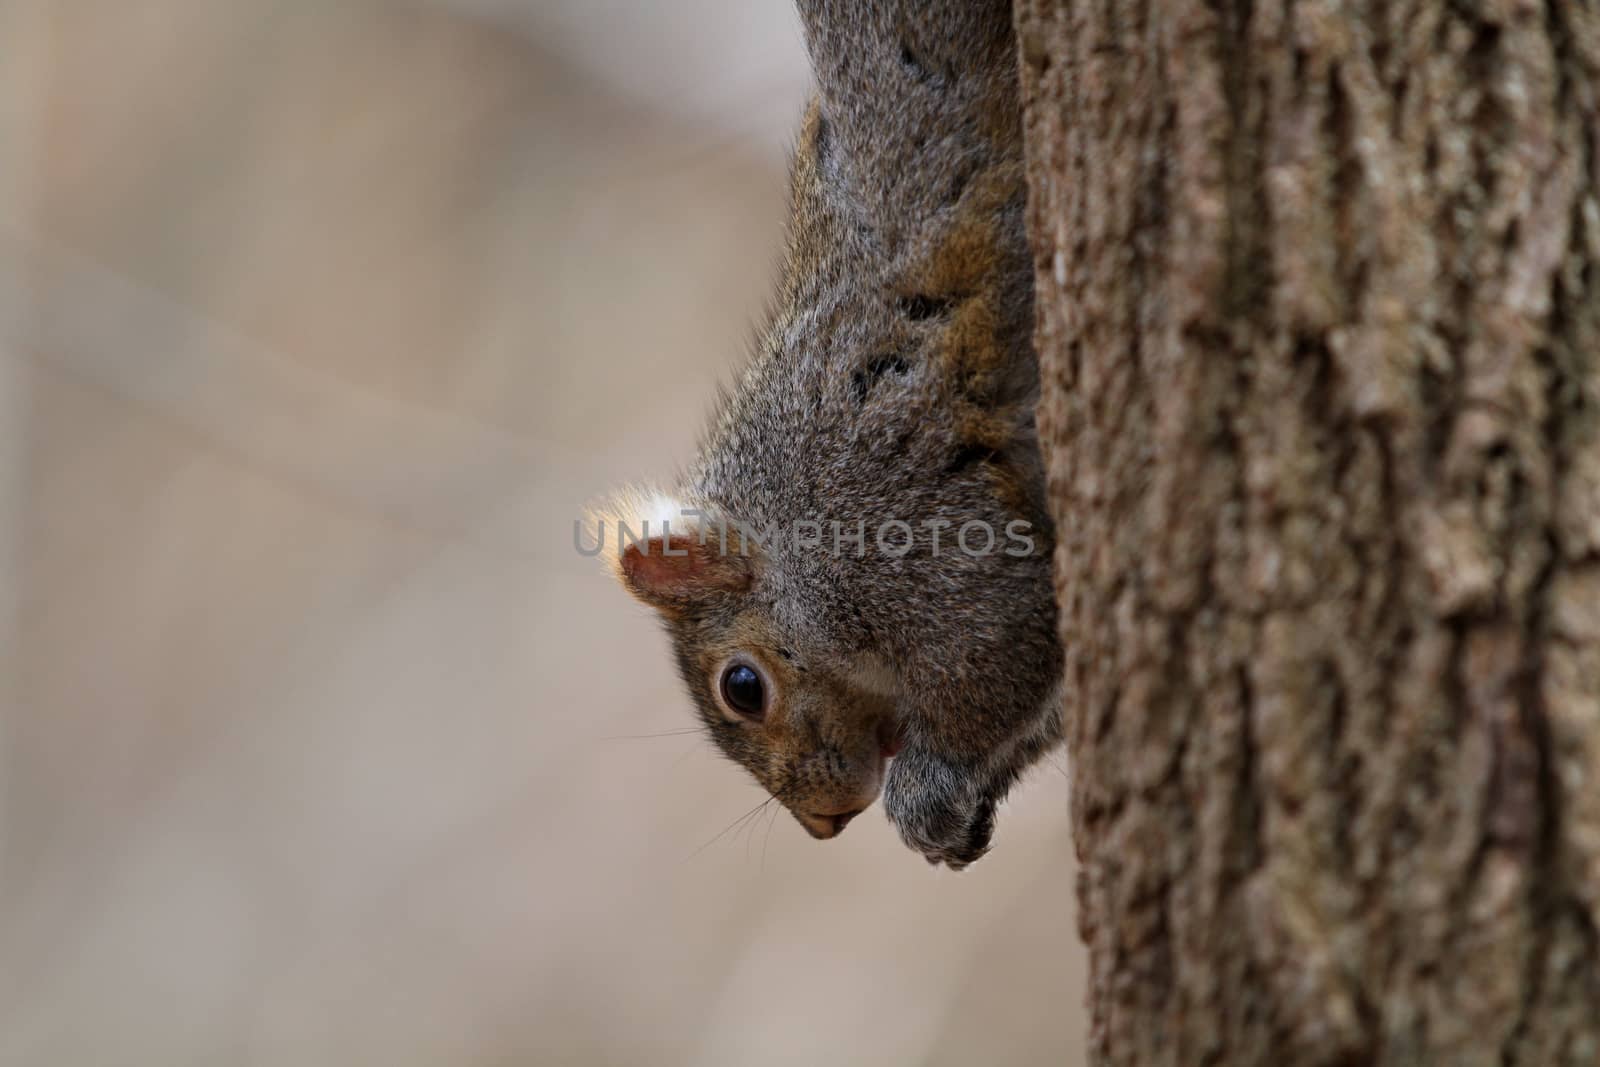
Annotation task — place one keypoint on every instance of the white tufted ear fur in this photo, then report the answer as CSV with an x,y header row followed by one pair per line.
x,y
667,552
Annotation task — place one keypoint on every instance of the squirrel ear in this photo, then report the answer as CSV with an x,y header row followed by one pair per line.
x,y
674,571
668,553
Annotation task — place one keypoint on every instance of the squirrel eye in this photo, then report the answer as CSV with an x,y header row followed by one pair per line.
x,y
743,692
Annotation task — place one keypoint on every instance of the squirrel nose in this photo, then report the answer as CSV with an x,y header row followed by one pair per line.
x,y
841,821
828,826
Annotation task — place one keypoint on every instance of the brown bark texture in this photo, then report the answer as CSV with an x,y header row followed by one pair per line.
x,y
1319,317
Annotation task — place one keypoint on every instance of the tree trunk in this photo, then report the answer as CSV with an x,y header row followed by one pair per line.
x,y
1319,318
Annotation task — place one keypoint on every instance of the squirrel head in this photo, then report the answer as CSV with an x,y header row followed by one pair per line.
x,y
815,724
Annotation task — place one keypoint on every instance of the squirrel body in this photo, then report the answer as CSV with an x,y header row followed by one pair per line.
x,y
823,576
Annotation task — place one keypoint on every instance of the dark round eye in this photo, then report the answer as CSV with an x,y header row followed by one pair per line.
x,y
742,689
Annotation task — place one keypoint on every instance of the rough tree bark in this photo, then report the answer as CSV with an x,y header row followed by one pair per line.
x,y
1319,314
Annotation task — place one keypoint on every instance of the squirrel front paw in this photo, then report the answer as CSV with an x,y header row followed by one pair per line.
x,y
942,810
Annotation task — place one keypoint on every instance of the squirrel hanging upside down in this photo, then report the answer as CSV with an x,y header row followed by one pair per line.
x,y
855,573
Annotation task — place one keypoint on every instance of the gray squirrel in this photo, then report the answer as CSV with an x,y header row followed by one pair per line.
x,y
855,573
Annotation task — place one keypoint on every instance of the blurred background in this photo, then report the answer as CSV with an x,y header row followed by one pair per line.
x,y
319,322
